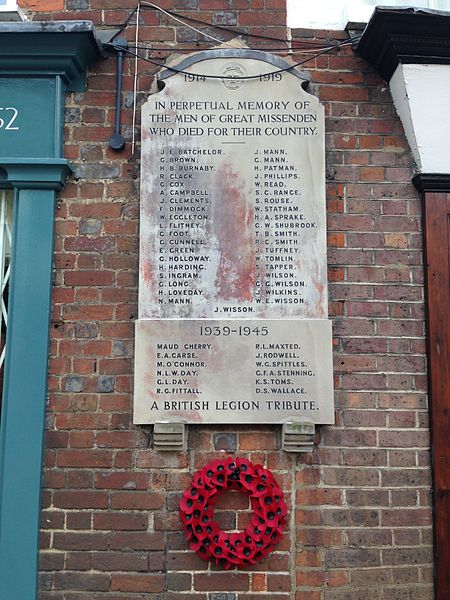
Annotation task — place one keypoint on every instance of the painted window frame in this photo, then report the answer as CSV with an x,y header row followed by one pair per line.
x,y
67,48
34,185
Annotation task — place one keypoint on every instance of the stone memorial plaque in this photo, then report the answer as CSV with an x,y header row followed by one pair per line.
x,y
233,227
233,371
233,196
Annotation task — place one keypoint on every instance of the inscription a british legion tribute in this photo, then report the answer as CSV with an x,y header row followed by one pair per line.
x,y
233,321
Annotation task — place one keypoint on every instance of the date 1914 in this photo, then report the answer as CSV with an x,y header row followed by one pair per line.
x,y
192,77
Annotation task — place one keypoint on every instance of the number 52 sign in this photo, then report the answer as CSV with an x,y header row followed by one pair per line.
x,y
27,117
8,116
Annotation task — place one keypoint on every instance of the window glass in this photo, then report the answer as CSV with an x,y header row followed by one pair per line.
x,y
6,215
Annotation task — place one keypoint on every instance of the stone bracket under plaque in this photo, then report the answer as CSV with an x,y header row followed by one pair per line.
x,y
298,436
169,436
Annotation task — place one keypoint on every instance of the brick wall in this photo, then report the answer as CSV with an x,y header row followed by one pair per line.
x,y
360,518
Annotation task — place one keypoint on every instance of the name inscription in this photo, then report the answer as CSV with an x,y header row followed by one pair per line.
x,y
232,282
233,218
233,371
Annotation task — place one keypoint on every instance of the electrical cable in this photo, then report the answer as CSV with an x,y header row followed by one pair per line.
x,y
176,16
211,37
262,48
126,23
137,47
246,77
221,27
284,50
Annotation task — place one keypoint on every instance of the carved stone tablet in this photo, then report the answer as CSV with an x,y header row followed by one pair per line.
x,y
233,371
232,214
233,196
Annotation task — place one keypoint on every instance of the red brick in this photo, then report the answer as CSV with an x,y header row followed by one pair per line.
x,y
41,5
279,583
257,440
56,439
262,18
137,541
78,561
82,421
121,480
321,496
53,480
399,439
85,458
80,499
81,439
81,520
373,464
120,521
138,500
221,581
97,278
137,583
80,541
80,479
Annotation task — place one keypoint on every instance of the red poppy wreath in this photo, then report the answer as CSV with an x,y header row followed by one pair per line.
x,y
267,521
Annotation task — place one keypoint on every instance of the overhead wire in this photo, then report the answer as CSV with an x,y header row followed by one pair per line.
x,y
126,23
216,49
219,27
235,30
175,18
183,18
243,77
316,50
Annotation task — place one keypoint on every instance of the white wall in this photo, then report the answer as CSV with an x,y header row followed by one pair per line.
x,y
335,14
8,5
421,95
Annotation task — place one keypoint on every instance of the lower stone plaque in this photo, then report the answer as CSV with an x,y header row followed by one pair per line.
x,y
233,371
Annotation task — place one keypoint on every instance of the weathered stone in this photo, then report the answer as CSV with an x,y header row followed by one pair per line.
x,y
97,171
225,441
72,115
73,383
105,384
229,371
233,227
119,348
77,4
90,226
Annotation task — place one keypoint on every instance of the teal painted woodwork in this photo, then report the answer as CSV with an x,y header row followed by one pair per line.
x,y
39,62
55,48
25,378
25,391
34,173
29,125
